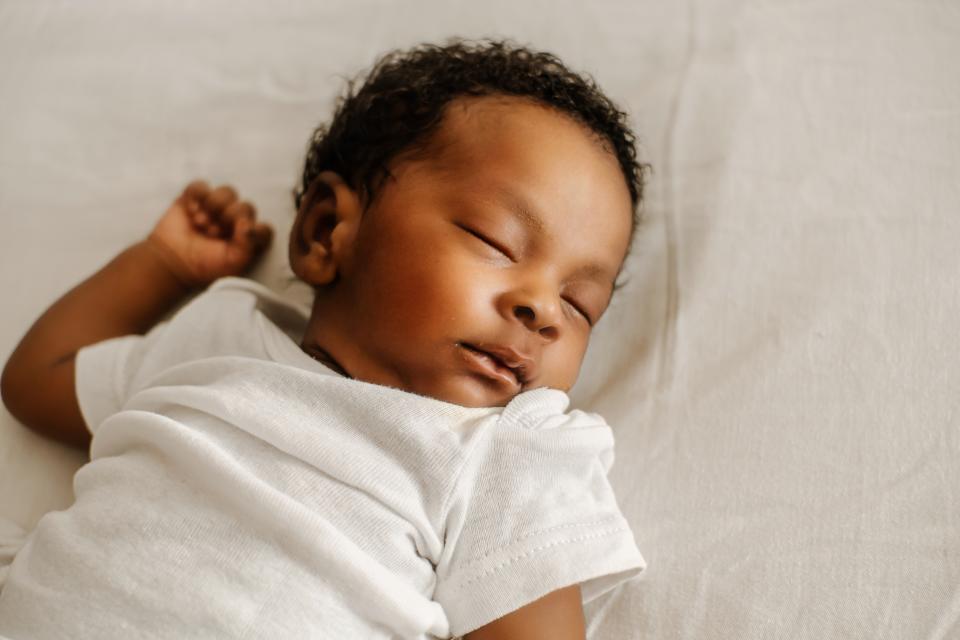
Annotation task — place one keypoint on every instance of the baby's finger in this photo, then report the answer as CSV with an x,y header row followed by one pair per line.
x,y
219,199
237,210
250,235
196,191
262,235
240,246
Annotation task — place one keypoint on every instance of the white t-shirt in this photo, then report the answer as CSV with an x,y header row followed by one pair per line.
x,y
239,488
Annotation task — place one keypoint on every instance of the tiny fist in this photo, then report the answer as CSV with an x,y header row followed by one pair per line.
x,y
211,233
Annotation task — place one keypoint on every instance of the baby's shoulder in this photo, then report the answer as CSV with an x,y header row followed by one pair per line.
x,y
221,320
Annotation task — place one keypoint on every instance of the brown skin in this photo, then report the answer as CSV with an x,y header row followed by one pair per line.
x,y
437,262
405,285
204,235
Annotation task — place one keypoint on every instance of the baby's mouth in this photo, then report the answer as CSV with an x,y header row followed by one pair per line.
x,y
492,366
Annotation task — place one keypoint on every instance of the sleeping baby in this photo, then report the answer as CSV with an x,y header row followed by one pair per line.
x,y
399,460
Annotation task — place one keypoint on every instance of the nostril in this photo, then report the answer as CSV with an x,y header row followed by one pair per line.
x,y
548,332
524,313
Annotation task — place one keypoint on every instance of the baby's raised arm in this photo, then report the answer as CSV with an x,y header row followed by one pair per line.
x,y
204,235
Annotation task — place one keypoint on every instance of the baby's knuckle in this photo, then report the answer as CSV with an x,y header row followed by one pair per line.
x,y
197,187
227,192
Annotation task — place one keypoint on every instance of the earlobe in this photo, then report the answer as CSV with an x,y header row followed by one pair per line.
x,y
323,233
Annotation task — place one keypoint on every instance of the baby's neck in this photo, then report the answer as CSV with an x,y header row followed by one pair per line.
x,y
323,357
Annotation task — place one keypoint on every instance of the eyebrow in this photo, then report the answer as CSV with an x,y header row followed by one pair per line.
x,y
520,207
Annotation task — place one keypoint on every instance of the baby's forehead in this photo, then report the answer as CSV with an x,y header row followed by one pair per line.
x,y
472,129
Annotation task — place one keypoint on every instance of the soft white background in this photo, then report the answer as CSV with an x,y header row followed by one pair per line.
x,y
782,370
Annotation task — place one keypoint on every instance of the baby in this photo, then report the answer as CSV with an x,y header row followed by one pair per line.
x,y
397,461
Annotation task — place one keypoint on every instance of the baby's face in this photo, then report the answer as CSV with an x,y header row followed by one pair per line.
x,y
479,271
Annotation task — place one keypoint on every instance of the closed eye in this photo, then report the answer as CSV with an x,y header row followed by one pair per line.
x,y
492,243
579,310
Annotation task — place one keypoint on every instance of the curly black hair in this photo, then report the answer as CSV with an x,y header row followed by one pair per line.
x,y
402,100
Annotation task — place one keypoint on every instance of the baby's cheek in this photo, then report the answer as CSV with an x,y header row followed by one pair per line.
x,y
561,364
423,298
447,285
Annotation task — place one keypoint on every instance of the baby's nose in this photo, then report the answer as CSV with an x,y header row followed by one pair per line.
x,y
536,319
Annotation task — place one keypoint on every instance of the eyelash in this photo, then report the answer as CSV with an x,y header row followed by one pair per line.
x,y
488,241
496,246
579,310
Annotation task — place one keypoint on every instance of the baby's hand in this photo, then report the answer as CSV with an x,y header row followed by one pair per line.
x,y
206,235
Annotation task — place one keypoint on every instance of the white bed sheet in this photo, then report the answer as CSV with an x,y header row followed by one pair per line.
x,y
782,369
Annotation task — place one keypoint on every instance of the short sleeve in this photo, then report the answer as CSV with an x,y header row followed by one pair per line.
x,y
533,512
106,371
224,320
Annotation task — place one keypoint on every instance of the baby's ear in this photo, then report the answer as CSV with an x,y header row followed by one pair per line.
x,y
323,233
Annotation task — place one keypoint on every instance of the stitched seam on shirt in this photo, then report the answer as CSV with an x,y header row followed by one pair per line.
x,y
531,552
538,532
